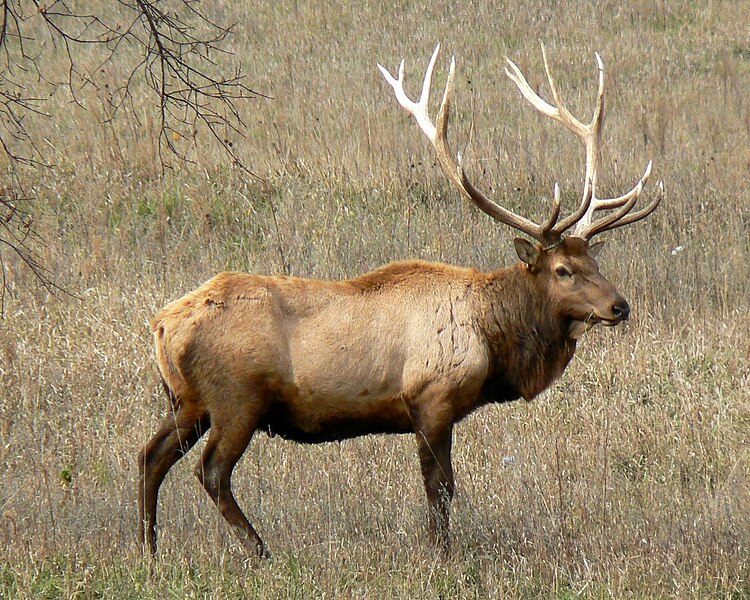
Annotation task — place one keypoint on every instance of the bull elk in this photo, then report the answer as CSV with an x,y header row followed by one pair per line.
x,y
412,347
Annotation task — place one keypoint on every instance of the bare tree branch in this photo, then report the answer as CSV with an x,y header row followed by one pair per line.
x,y
173,49
18,236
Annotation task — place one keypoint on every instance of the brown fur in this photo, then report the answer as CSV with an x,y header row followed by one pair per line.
x,y
410,347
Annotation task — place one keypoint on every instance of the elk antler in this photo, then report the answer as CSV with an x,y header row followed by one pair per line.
x,y
590,136
438,136
550,231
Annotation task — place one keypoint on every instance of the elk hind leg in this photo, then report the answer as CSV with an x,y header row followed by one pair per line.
x,y
178,433
226,444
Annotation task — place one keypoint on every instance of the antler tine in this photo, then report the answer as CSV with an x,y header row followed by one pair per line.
x,y
451,166
643,212
559,112
549,224
624,216
625,203
419,109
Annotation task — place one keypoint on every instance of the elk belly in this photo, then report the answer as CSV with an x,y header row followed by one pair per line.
x,y
312,419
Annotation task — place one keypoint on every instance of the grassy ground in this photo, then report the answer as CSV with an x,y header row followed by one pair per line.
x,y
630,478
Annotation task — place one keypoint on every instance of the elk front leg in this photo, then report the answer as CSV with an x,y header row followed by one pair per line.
x,y
434,444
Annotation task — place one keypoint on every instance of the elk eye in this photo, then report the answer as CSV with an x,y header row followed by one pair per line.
x,y
563,272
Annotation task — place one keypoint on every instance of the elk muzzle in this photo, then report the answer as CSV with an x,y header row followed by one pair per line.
x,y
618,312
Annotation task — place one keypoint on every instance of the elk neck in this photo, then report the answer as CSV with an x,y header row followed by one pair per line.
x,y
528,341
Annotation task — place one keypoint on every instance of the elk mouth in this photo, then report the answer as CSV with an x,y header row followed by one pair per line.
x,y
594,319
578,327
610,322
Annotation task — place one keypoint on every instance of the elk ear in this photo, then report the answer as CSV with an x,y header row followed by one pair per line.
x,y
595,248
527,252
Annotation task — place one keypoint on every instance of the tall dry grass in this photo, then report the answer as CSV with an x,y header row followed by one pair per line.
x,y
629,478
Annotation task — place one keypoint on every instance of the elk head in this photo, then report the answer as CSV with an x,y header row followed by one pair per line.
x,y
564,266
568,276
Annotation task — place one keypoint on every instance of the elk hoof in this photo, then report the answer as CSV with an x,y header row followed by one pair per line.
x,y
263,552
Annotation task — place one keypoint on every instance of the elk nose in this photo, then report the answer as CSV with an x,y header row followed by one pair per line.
x,y
621,310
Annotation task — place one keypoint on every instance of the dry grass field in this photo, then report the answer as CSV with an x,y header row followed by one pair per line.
x,y
629,478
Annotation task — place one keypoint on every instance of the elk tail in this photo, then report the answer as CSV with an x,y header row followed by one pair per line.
x,y
170,394
171,378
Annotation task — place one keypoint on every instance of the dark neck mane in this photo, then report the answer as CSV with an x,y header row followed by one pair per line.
x,y
529,345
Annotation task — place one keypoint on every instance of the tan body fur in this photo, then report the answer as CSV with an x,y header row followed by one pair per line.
x,y
346,356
